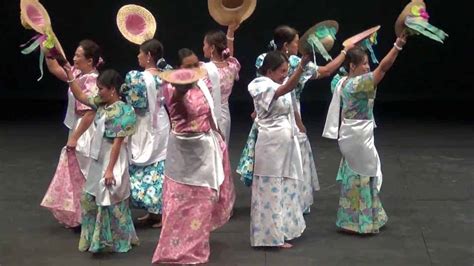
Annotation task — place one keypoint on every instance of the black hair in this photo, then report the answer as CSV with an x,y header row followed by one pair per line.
x,y
183,53
283,34
219,40
91,51
355,55
154,47
273,60
110,78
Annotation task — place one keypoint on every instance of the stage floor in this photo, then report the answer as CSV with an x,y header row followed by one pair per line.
x,y
428,166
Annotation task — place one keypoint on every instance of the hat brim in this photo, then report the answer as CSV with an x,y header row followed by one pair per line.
x,y
136,23
183,76
227,16
361,36
303,45
400,22
35,15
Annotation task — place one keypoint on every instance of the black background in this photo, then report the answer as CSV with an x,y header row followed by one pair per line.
x,y
425,72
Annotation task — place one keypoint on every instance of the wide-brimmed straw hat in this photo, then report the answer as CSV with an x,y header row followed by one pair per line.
x,y
183,76
366,39
136,23
414,18
34,15
361,36
228,12
319,38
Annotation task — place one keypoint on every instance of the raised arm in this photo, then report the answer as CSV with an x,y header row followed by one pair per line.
x,y
389,59
230,37
56,69
293,80
331,67
75,88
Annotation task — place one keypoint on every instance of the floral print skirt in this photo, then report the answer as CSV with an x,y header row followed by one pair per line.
x,y
106,228
187,223
310,181
247,158
146,184
360,209
276,214
63,197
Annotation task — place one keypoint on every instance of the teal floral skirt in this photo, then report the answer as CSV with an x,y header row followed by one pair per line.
x,y
360,209
106,228
247,158
146,183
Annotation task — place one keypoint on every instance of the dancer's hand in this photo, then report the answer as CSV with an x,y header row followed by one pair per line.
x,y
305,60
402,39
253,115
71,144
232,28
109,178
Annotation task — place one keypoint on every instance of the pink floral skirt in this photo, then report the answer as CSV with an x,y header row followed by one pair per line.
x,y
63,197
190,213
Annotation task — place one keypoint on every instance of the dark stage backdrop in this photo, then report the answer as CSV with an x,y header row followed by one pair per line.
x,y
425,70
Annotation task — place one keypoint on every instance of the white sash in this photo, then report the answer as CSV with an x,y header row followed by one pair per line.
x,y
97,138
70,119
152,95
205,90
331,127
213,74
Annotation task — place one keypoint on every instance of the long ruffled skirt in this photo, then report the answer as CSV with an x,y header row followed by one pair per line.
x,y
106,228
360,209
276,214
64,193
190,213
146,184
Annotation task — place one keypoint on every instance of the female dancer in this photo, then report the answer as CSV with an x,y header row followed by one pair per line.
x,y
64,192
360,209
106,217
276,215
223,70
147,146
198,195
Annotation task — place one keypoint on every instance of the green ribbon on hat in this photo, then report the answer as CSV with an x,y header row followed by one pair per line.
x,y
418,25
323,32
368,44
315,43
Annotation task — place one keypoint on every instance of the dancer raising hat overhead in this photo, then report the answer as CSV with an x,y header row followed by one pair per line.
x,y
143,91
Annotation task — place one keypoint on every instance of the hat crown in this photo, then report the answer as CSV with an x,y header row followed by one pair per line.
x,y
232,4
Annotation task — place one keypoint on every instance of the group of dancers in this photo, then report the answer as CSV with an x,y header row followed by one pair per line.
x,y
158,139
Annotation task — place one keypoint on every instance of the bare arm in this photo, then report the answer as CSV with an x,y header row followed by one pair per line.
x,y
331,67
293,80
114,154
230,37
299,122
85,123
55,69
388,60
75,88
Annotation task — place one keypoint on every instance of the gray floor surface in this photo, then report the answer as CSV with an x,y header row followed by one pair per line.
x,y
427,192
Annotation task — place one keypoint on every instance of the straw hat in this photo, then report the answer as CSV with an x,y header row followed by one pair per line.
x,y
183,76
34,15
361,36
324,32
227,12
407,11
414,18
136,23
